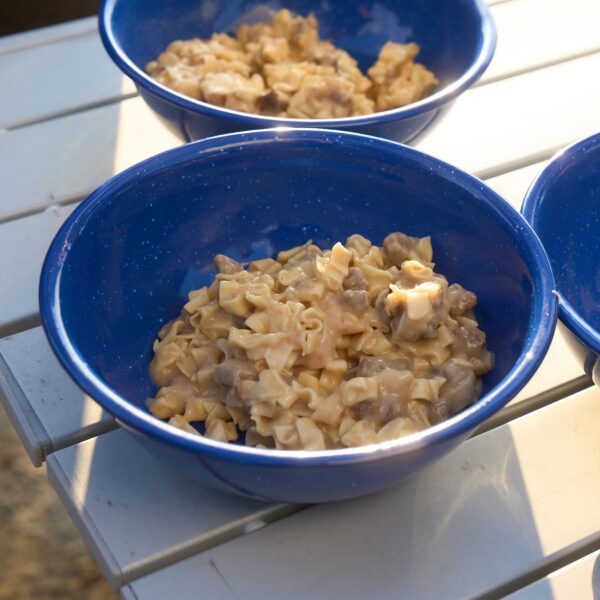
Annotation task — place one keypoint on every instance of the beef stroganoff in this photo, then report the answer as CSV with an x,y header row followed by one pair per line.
x,y
322,349
283,69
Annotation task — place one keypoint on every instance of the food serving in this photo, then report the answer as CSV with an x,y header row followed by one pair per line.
x,y
250,195
284,69
322,349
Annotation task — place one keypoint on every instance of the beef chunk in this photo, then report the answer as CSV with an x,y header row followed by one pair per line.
x,y
355,280
232,371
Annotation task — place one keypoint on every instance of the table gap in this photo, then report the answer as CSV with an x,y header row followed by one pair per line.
x,y
118,577
34,210
229,532
533,403
553,563
49,35
70,111
507,167
544,65
24,324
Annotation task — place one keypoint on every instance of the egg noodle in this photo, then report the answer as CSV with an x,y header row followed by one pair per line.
x,y
322,349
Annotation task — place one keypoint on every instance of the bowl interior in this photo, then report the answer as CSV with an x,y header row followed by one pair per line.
x,y
449,31
124,262
563,207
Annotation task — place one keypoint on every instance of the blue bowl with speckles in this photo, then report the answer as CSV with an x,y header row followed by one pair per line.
x,y
457,39
124,261
563,206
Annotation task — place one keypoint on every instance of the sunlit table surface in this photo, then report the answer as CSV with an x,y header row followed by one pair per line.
x,y
515,510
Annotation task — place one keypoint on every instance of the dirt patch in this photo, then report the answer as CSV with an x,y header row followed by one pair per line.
x,y
41,553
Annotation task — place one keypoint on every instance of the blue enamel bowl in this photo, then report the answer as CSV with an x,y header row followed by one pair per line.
x,y
457,39
126,258
563,206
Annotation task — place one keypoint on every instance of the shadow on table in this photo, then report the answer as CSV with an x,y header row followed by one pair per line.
x,y
464,527
141,514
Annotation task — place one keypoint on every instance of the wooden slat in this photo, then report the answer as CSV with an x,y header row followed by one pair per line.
x,y
518,121
74,155
534,33
136,515
579,580
47,409
490,130
57,78
484,519
23,246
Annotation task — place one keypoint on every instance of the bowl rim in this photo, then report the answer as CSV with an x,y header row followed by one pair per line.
x,y
533,208
536,343
252,121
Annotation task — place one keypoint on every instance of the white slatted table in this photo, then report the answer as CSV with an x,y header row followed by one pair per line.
x,y
514,510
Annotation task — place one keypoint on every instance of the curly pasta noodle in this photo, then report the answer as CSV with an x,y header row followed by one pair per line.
x,y
322,349
283,69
